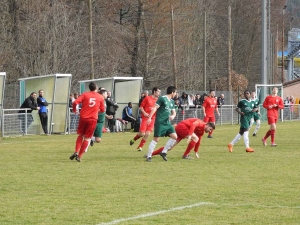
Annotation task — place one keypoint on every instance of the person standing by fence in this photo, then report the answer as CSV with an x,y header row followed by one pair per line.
x,y
43,114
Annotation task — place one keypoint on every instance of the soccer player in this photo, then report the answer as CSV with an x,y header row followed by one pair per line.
x,y
145,108
209,106
165,112
192,129
92,103
245,108
256,115
100,122
272,103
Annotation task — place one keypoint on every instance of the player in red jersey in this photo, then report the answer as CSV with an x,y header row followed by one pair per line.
x,y
272,103
192,129
145,129
209,106
92,103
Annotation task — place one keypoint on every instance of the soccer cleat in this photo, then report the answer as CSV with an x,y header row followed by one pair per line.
x,y
187,157
209,136
140,149
92,143
264,142
145,156
273,144
73,156
131,142
230,146
163,155
149,159
254,135
249,150
78,159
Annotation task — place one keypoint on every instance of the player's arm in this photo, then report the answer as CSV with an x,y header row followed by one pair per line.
x,y
266,105
203,108
280,104
77,102
173,114
238,109
142,110
102,105
217,110
153,111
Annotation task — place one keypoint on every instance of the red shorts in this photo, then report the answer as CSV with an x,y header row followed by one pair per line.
x,y
272,120
182,130
208,119
144,127
86,127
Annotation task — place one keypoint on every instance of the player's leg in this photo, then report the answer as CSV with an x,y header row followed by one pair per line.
x,y
191,145
257,127
80,132
151,147
273,131
142,131
149,129
173,136
212,120
235,140
271,122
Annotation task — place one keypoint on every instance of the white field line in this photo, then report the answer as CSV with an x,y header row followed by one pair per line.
x,y
189,206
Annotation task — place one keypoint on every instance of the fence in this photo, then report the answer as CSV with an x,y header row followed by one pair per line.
x,y
16,124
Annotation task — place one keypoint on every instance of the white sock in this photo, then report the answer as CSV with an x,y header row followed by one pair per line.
x,y
93,139
151,148
236,139
257,126
251,123
87,146
168,145
246,139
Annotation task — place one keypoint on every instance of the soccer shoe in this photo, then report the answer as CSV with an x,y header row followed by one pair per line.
x,y
249,150
196,154
140,149
149,159
254,135
145,156
73,156
264,142
131,142
273,144
92,143
209,136
164,156
78,159
230,146
187,157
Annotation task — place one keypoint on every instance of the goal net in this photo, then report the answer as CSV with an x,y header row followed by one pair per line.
x,y
262,91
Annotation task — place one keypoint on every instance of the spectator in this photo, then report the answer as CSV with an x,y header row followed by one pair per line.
x,y
202,98
191,99
183,100
71,100
42,103
221,100
31,103
127,115
111,108
287,102
292,102
197,101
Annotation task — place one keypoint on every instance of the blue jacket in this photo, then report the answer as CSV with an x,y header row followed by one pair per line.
x,y
127,112
42,103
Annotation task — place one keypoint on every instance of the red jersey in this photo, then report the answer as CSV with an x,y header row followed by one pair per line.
x,y
92,103
272,100
210,105
196,126
148,103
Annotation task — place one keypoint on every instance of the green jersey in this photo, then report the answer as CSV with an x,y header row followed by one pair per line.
x,y
164,111
246,106
255,115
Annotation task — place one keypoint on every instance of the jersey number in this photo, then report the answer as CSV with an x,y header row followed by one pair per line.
x,y
92,102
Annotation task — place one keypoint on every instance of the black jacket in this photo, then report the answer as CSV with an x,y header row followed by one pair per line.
x,y
29,103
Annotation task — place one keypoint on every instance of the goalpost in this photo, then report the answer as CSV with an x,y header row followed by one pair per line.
x,y
262,91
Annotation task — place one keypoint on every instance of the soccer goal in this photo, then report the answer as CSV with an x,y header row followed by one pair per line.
x,y
262,91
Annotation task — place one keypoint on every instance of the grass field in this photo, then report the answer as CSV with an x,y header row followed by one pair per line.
x,y
114,184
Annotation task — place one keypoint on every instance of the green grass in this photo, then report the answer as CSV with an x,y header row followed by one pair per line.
x,y
40,185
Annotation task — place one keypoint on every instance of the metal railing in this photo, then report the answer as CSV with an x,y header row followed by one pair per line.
x,y
16,124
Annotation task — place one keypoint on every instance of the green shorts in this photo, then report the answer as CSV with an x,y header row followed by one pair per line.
x,y
98,130
256,116
163,130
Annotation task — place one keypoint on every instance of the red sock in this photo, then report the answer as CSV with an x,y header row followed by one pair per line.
x,y
84,145
197,146
156,152
136,137
189,148
272,136
267,134
210,133
78,143
142,143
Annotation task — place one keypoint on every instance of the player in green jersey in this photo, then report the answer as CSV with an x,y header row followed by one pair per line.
x,y
245,108
165,112
256,115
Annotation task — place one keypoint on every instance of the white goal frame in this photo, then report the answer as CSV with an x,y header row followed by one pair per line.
x,y
257,90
